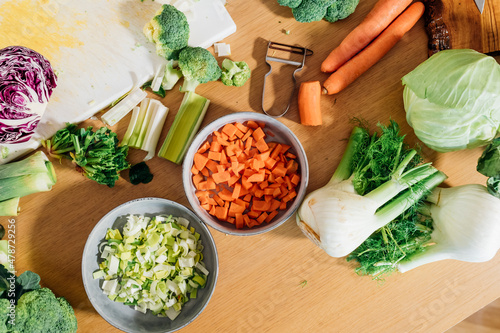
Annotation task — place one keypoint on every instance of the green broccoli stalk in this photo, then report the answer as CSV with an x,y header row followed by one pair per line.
x,y
234,73
316,10
172,75
198,66
169,30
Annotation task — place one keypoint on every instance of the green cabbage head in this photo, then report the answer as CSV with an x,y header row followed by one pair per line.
x,y
452,100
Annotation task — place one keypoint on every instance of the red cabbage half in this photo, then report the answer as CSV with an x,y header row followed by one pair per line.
x,y
26,84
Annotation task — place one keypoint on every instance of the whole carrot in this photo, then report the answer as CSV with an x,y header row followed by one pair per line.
x,y
382,14
309,100
360,63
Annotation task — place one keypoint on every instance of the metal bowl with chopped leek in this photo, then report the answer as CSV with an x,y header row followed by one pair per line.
x,y
150,265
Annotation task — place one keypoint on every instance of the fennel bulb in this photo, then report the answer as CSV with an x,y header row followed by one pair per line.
x,y
452,100
338,219
466,222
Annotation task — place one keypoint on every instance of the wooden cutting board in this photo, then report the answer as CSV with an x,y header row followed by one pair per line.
x,y
471,29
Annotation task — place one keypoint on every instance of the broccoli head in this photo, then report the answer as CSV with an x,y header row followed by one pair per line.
x,y
234,73
290,3
41,311
4,311
198,66
316,10
169,30
340,9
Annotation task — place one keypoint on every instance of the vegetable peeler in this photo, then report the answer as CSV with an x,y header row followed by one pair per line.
x,y
299,64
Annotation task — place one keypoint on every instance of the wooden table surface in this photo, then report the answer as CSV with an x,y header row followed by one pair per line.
x,y
259,287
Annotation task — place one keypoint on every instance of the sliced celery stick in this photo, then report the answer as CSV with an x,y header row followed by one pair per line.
x,y
154,131
186,123
120,110
132,142
131,126
9,207
152,106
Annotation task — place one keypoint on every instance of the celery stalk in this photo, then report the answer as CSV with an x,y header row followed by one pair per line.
x,y
120,110
9,207
131,126
143,108
186,123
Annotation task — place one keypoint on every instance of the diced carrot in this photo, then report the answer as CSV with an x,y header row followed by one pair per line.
x,y
239,222
194,170
252,124
247,135
289,196
263,156
276,151
235,208
269,191
200,160
258,134
221,213
264,184
260,205
275,205
288,183
215,146
222,141
257,177
262,217
290,155
229,129
226,195
271,216
284,148
206,207
283,205
215,156
197,179
238,133
212,211
245,183
236,191
212,166
204,147
248,145
291,167
230,220
241,127
233,180
223,158
247,198
276,192
221,177
242,203
279,170
261,145
253,214
243,157
258,192
246,219
295,179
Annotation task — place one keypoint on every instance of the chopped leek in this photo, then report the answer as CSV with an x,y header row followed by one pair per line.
x,y
153,264
145,126
17,179
120,110
186,123
9,207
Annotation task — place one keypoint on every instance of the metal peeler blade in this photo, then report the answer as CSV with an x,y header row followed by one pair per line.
x,y
299,64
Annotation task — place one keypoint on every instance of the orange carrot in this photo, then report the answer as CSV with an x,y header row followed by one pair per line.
x,y
351,70
309,103
378,19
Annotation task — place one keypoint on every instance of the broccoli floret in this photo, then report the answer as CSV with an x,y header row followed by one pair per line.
x,y
4,311
235,73
340,9
41,311
169,30
290,3
316,10
198,66
310,10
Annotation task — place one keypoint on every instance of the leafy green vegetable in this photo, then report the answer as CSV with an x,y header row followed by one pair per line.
x,y
140,173
41,311
160,92
234,73
316,10
198,66
452,100
169,30
36,309
489,165
97,154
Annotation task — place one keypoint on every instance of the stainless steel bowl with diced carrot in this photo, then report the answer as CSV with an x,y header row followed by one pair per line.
x,y
245,173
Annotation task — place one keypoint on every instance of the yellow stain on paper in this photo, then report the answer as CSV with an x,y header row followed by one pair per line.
x,y
34,24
